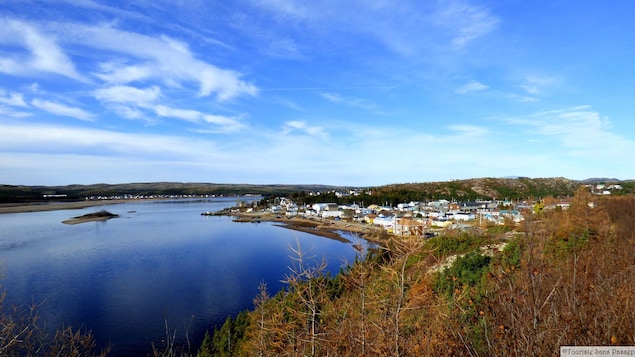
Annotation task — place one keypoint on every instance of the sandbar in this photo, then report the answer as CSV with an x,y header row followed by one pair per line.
x,y
91,217
52,206
46,206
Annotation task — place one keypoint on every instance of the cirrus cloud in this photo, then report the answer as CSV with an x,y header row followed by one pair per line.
x,y
41,52
472,86
158,58
62,110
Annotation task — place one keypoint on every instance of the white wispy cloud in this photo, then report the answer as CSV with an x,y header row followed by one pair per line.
x,y
227,123
48,137
132,113
353,102
142,97
524,98
184,114
12,104
579,130
301,153
535,85
41,53
333,97
117,155
288,103
137,103
142,57
221,124
10,112
12,99
52,151
302,126
62,110
472,86
471,131
408,28
159,58
467,22
123,73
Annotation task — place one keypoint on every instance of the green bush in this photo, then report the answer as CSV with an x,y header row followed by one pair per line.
x,y
467,270
510,256
460,243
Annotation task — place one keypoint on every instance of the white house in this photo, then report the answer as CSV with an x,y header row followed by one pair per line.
x,y
319,207
386,221
331,214
464,216
327,210
291,213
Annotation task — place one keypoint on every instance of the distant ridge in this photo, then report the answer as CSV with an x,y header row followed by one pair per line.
x,y
21,193
602,180
510,187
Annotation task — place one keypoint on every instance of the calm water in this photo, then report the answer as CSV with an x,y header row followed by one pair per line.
x,y
160,260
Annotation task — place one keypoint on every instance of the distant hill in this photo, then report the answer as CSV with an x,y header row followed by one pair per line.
x,y
20,193
489,188
470,189
595,180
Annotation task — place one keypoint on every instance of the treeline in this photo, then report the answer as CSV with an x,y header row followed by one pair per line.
x,y
564,277
459,190
19,193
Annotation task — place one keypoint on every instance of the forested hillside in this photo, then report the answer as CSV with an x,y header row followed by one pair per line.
x,y
13,193
464,190
564,277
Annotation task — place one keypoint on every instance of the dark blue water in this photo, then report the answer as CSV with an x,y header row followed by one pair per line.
x,y
160,261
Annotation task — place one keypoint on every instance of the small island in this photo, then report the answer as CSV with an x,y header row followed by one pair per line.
x,y
90,217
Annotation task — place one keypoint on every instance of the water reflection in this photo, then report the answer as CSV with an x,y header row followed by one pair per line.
x,y
159,260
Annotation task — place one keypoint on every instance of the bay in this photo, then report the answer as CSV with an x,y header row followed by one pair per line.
x,y
159,263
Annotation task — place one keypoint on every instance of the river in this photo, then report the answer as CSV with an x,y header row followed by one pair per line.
x,y
159,261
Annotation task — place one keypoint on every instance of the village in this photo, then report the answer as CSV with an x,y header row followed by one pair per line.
x,y
409,219
420,219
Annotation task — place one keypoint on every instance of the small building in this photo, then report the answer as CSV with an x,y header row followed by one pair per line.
x,y
464,216
385,221
331,214
409,227
319,207
330,210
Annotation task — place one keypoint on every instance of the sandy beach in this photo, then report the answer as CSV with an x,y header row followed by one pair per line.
x,y
50,206
56,205
314,225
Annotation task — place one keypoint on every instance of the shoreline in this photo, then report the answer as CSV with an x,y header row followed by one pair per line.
x,y
27,207
6,208
314,225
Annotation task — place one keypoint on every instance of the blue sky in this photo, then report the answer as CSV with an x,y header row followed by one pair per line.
x,y
359,93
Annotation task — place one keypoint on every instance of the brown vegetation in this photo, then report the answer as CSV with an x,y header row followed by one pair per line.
x,y
21,334
567,279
